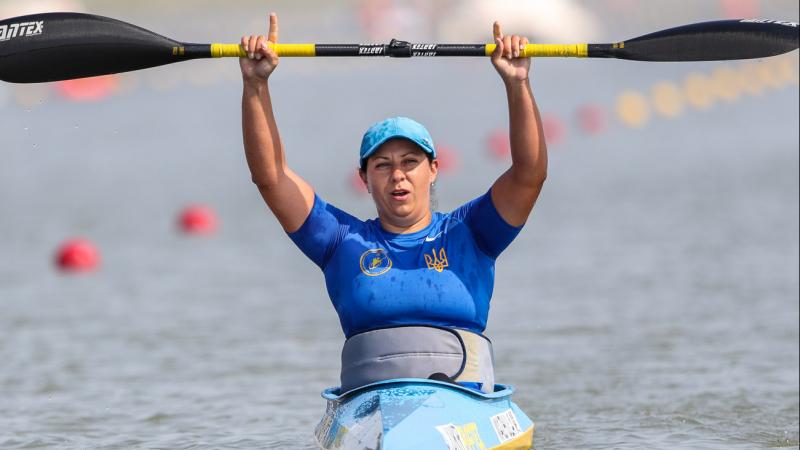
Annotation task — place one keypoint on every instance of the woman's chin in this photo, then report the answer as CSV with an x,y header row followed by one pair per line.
x,y
402,213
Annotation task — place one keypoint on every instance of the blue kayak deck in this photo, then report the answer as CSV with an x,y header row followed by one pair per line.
x,y
415,413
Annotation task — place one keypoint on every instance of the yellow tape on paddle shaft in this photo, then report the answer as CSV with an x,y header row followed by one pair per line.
x,y
534,50
236,50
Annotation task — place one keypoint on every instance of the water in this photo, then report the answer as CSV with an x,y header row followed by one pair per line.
x,y
650,302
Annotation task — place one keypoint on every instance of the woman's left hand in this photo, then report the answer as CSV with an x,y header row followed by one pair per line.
x,y
506,57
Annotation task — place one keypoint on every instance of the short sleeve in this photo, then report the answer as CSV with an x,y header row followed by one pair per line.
x,y
321,233
490,231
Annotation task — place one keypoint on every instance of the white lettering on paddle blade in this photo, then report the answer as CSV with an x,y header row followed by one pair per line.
x,y
12,30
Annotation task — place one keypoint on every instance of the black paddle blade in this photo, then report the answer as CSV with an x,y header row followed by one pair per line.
x,y
713,41
61,46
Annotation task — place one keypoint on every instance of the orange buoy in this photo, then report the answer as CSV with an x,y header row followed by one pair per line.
x,y
198,220
77,255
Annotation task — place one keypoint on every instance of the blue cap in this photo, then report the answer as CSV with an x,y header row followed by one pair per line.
x,y
392,128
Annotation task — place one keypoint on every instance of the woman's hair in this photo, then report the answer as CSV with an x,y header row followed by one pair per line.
x,y
434,200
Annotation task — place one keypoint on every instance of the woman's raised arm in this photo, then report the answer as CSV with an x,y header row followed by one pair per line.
x,y
516,191
288,196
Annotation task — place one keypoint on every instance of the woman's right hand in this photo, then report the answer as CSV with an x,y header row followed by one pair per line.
x,y
261,60
506,57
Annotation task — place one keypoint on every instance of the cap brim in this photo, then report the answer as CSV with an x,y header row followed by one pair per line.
x,y
377,145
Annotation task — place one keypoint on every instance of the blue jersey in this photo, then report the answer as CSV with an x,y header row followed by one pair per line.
x,y
442,275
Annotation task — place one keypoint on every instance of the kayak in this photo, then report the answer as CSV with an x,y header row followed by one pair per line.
x,y
411,413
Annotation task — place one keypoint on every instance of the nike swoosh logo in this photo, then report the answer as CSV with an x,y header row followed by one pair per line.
x,y
431,239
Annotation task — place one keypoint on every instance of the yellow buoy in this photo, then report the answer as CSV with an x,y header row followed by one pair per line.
x,y
728,83
668,100
699,90
633,109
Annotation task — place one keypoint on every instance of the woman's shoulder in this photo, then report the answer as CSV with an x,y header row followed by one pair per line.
x,y
461,212
341,215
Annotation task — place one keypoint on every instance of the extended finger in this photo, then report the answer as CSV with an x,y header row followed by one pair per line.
x,y
271,55
498,50
273,27
496,32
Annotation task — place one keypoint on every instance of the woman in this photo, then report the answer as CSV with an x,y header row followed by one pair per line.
x,y
412,284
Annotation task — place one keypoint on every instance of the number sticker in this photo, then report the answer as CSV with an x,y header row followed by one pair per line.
x,y
506,426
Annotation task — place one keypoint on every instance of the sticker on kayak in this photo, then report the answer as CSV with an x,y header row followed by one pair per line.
x,y
464,437
506,426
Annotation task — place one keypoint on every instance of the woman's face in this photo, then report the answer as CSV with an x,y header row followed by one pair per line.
x,y
399,177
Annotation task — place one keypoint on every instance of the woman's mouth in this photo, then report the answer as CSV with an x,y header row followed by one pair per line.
x,y
400,195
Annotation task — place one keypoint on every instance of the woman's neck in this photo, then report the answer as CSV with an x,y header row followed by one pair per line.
x,y
399,227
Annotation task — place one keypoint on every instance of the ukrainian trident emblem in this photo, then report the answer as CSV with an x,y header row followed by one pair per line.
x,y
436,262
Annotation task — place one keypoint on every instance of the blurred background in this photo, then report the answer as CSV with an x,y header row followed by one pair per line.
x,y
650,302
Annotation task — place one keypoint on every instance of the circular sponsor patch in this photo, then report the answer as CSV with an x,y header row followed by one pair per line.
x,y
375,262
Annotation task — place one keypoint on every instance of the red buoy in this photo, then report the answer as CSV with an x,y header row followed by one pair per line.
x,y
198,220
591,119
356,184
737,9
77,255
498,144
88,89
554,129
448,158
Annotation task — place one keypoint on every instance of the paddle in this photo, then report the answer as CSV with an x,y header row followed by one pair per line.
x,y
61,46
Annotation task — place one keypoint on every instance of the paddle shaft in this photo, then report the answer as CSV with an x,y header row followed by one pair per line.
x,y
395,49
62,46
402,49
705,41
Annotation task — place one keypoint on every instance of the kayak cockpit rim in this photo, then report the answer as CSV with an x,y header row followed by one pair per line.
x,y
500,390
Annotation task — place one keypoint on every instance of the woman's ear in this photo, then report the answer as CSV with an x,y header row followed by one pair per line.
x,y
434,170
363,175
